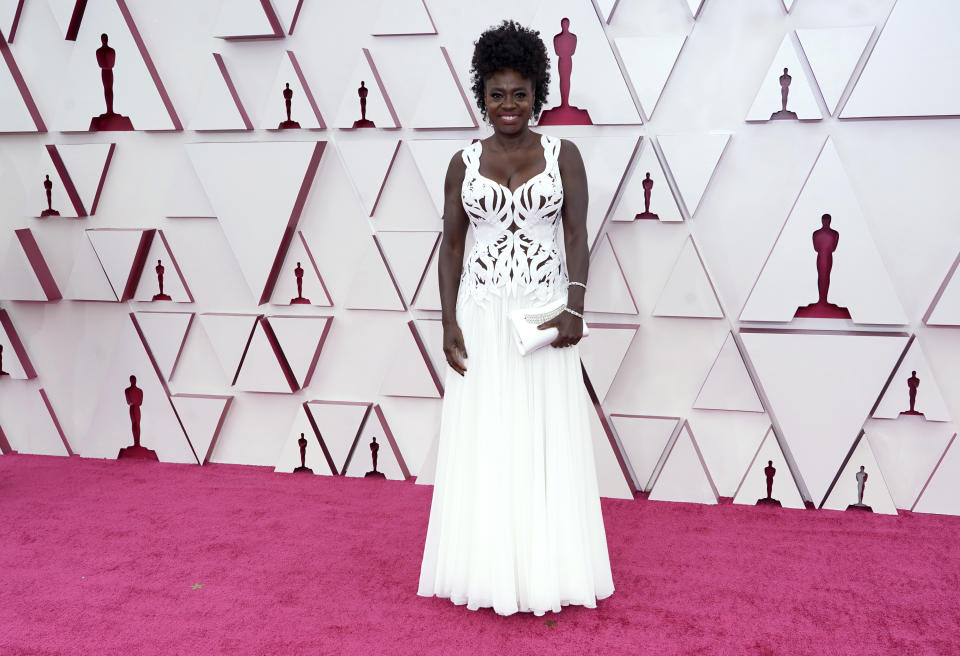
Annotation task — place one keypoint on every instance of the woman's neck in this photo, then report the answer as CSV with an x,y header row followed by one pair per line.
x,y
514,141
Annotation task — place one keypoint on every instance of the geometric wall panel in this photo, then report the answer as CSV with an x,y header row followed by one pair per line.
x,y
643,440
914,369
594,73
389,458
303,107
18,112
799,103
607,160
429,296
696,5
613,479
288,11
67,14
247,19
15,361
264,367
219,106
301,339
688,291
122,252
88,281
649,60
916,52
858,279
338,424
373,286
907,451
408,252
693,158
165,334
753,486
249,181
727,441
202,416
229,334
410,373
82,169
314,458
138,92
631,205
110,429
684,475
944,310
403,18
24,274
378,108
942,492
432,157
28,422
875,492
443,102
300,259
10,11
608,290
728,385
160,261
368,163
821,387
833,53
603,352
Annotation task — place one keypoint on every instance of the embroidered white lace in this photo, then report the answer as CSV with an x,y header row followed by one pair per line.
x,y
524,259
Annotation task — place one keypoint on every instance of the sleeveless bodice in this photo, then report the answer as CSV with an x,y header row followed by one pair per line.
x,y
525,260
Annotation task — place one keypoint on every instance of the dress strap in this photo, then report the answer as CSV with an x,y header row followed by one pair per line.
x,y
471,156
551,150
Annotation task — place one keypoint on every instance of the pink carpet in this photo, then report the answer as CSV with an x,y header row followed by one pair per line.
x,y
106,557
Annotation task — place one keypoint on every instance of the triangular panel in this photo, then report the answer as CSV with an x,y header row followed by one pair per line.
x,y
18,111
247,19
88,281
942,492
684,476
368,163
373,288
728,385
339,424
408,253
443,103
432,157
913,377
693,158
606,158
229,334
262,369
301,340
219,106
833,53
160,261
845,491
122,252
16,363
409,372
300,260
643,440
290,82
727,441
365,83
907,451
608,290
164,334
82,170
313,458
785,92
403,18
688,291
783,488
649,60
389,458
24,274
202,417
632,203
603,352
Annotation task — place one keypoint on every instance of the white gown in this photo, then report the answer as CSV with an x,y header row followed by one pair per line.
x,y
515,522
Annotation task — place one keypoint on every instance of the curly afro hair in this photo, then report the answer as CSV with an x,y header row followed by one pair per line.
x,y
511,45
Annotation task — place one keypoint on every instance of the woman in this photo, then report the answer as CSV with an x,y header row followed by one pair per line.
x,y
515,522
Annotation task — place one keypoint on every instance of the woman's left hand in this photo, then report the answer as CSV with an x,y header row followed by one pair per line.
x,y
570,327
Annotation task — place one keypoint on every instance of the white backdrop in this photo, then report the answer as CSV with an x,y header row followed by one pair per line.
x,y
699,369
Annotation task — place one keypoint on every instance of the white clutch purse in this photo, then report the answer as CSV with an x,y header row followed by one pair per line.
x,y
524,322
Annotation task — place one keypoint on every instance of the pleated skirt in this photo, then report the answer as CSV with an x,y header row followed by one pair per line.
x,y
515,521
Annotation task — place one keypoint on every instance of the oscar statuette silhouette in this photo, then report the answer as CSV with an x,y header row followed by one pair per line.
x,y
287,101
913,384
363,122
769,471
647,190
861,486
161,296
134,398
299,300
110,120
565,45
303,469
825,241
48,188
374,448
784,113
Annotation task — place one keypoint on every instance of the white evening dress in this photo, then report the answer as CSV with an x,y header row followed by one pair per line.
x,y
515,521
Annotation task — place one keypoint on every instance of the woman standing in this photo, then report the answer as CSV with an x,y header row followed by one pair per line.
x,y
515,522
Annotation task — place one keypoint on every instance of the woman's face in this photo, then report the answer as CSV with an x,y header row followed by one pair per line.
x,y
509,99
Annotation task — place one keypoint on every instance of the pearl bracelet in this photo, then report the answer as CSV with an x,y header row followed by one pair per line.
x,y
574,282
573,312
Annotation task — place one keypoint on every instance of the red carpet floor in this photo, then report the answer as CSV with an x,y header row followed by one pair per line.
x,y
106,557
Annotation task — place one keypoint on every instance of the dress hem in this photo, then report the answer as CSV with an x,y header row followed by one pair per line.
x,y
461,601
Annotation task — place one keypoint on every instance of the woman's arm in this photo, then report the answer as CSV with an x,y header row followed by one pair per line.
x,y
575,200
450,262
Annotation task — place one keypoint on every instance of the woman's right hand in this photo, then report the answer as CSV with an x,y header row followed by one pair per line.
x,y
452,344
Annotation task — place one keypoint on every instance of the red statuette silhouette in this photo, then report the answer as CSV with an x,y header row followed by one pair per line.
x,y
363,122
303,469
861,486
287,100
825,240
647,189
565,44
299,300
161,296
106,59
48,188
769,471
913,383
134,397
784,113
2,372
374,447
